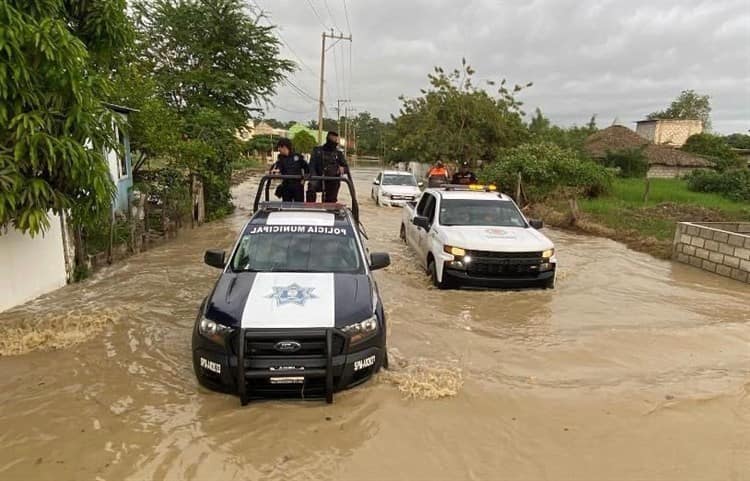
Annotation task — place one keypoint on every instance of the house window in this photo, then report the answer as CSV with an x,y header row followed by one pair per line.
x,y
122,160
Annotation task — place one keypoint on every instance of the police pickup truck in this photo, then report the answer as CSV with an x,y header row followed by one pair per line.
x,y
475,236
296,310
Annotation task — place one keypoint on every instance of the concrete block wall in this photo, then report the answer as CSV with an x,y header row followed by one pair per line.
x,y
719,247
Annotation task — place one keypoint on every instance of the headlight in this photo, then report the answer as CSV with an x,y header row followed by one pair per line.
x,y
548,253
214,331
456,251
361,330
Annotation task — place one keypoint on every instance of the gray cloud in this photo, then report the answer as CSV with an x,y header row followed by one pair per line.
x,y
606,57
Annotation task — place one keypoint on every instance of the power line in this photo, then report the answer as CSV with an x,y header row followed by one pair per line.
x,y
301,92
317,15
346,14
277,30
330,14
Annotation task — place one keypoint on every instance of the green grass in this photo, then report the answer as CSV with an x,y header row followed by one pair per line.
x,y
248,163
669,201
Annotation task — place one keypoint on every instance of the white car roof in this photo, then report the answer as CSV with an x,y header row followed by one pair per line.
x,y
396,172
469,194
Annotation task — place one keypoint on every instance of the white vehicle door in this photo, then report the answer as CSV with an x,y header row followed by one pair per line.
x,y
424,235
376,185
412,231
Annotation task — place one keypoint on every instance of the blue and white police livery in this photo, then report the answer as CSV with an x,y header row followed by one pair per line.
x,y
296,309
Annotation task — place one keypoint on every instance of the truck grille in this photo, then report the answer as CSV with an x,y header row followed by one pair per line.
x,y
312,346
504,264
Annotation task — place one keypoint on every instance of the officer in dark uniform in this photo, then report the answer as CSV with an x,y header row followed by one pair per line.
x,y
289,163
327,160
464,176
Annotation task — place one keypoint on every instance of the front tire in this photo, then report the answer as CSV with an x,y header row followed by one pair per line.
x,y
549,283
440,284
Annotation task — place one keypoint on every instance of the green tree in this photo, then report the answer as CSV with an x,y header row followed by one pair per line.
x,y
369,131
212,61
546,168
542,130
738,141
455,120
715,148
687,106
54,62
304,142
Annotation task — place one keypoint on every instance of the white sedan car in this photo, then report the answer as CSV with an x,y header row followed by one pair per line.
x,y
395,188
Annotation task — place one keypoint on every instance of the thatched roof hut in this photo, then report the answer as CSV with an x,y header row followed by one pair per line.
x,y
664,161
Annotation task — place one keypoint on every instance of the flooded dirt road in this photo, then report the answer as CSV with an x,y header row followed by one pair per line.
x,y
632,368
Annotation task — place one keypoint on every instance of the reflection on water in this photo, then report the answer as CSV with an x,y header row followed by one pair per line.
x,y
629,358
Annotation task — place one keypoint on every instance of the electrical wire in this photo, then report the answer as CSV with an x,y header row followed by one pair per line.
x,y
317,15
346,14
330,15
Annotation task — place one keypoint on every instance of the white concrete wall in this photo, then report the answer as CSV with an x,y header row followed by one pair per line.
x,y
647,130
30,267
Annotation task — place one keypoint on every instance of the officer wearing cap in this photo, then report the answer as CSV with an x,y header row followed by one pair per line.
x,y
464,176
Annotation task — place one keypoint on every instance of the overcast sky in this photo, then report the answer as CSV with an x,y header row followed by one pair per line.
x,y
617,59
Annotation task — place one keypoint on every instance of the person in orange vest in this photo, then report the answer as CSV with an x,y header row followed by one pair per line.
x,y
437,175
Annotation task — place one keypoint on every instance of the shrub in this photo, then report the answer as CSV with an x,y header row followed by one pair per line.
x,y
715,148
733,184
630,162
546,168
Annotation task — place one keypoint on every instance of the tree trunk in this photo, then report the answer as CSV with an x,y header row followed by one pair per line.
x,y
518,190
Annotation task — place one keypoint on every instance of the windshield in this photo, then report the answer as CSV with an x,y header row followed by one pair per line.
x,y
399,180
480,212
314,251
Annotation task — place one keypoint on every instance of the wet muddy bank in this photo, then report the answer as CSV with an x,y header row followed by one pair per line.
x,y
659,248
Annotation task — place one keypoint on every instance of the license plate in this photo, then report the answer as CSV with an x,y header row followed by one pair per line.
x,y
287,380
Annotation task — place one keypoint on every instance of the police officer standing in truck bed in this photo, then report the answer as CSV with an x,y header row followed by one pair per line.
x,y
289,163
327,160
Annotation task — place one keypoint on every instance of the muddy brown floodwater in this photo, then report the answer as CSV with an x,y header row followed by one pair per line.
x,y
632,368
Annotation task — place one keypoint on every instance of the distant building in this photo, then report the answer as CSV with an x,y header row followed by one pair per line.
x,y
663,160
668,131
252,129
120,162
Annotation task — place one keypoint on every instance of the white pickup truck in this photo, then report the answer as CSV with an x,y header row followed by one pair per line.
x,y
474,236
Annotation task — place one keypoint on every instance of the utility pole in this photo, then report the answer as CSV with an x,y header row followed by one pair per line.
x,y
321,102
338,111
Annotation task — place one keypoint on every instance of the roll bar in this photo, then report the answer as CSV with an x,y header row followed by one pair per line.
x,y
265,186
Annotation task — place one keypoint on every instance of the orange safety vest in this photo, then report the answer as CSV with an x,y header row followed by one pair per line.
x,y
437,172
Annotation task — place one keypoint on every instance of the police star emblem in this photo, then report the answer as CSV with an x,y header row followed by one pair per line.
x,y
292,294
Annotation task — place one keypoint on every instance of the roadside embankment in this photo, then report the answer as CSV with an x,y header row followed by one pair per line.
x,y
647,226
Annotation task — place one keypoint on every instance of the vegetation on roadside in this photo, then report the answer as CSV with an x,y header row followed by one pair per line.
x,y
547,169
622,214
454,119
54,65
733,184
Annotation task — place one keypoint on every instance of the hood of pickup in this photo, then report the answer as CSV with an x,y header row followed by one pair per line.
x,y
498,239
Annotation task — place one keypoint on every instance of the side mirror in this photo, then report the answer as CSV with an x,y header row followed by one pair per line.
x,y
420,184
376,182
421,221
379,260
536,223
215,258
